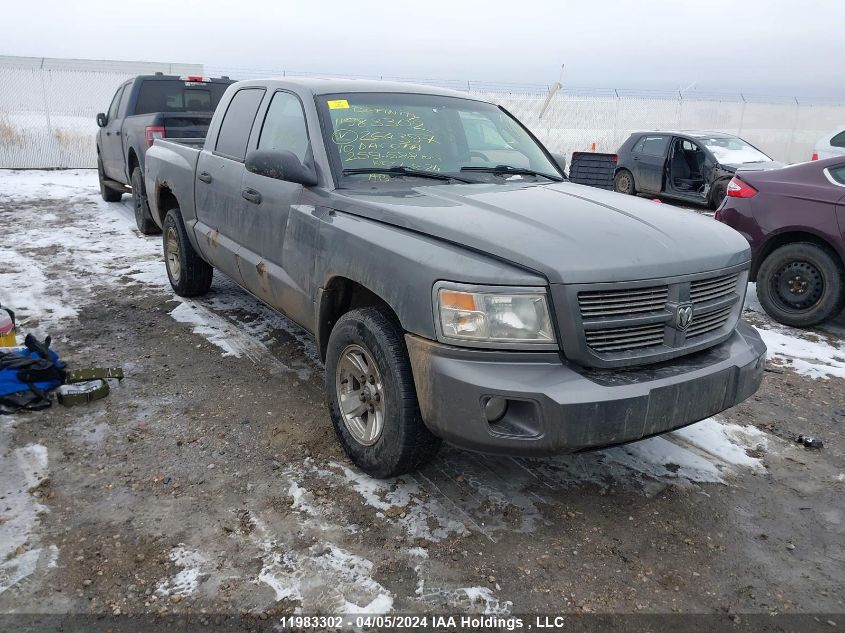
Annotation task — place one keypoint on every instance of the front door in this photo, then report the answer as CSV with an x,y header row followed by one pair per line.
x,y
221,220
267,266
649,157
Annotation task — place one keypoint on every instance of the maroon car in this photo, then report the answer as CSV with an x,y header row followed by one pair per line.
x,y
794,220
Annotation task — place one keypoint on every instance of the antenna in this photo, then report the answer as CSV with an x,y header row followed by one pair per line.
x,y
554,89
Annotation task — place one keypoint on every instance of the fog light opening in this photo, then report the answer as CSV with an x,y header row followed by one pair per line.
x,y
495,409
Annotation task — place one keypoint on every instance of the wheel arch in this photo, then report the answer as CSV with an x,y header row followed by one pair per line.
x,y
788,237
339,296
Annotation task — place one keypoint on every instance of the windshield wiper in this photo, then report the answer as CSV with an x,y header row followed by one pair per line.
x,y
511,170
403,171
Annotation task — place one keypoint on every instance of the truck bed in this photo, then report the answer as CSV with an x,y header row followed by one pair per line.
x,y
179,157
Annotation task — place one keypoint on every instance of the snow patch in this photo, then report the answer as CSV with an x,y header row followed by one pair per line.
x,y
791,346
21,471
187,580
325,579
425,515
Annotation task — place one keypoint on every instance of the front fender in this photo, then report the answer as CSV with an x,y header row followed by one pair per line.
x,y
401,266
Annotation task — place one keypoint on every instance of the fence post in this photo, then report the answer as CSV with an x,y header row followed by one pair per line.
x,y
741,115
46,105
615,142
680,110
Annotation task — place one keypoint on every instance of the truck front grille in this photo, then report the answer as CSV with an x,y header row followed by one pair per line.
x,y
622,338
709,322
631,323
615,302
704,290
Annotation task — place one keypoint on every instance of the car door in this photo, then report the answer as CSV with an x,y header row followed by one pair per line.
x,y
220,227
649,159
268,265
111,147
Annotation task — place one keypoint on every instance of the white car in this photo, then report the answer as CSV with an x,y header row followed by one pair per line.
x,y
830,145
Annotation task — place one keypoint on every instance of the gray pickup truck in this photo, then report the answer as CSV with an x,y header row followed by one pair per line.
x,y
143,109
458,287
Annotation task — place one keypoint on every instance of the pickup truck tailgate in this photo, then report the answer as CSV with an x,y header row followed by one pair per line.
x,y
186,125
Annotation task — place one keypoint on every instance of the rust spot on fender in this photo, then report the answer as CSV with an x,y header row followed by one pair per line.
x,y
261,269
213,238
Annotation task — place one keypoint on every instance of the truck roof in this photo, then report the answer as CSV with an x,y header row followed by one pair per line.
x,y
327,85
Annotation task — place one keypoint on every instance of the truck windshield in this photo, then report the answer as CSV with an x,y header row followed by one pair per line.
x,y
176,95
472,140
731,150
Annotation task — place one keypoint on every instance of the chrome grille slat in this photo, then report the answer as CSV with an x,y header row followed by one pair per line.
x,y
626,346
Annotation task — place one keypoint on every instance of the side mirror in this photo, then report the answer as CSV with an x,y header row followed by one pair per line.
x,y
281,165
102,120
560,160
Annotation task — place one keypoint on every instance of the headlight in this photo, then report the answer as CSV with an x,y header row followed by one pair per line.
x,y
512,318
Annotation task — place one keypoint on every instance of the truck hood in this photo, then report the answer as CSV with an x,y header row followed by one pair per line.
x,y
569,233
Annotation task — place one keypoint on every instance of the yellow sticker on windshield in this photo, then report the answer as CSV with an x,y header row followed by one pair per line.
x,y
338,104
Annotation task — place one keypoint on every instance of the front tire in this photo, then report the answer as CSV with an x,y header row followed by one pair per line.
x,y
143,217
190,275
371,395
108,194
623,182
801,284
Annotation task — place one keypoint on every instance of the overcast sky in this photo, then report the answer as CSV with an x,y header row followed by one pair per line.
x,y
774,47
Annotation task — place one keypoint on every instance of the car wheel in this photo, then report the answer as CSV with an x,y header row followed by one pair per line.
x,y
190,275
371,395
801,284
108,194
623,182
717,194
143,217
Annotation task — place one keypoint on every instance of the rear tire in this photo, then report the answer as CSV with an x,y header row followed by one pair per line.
x,y
623,182
801,284
383,434
717,195
108,194
190,275
143,217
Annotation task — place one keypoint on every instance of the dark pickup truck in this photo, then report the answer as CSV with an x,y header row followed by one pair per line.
x,y
143,109
457,291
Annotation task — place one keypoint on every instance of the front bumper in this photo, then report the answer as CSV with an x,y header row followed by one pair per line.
x,y
555,407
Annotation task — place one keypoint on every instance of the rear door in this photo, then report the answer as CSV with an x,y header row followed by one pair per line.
x,y
649,159
221,227
111,148
268,268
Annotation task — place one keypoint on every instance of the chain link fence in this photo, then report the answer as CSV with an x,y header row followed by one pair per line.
x,y
48,107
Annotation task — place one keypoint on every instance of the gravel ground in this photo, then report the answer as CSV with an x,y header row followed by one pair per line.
x,y
209,480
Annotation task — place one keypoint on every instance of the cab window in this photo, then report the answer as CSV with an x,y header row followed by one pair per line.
x,y
237,123
284,126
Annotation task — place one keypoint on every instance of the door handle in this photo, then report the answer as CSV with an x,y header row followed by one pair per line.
x,y
636,158
204,176
108,133
117,133
252,195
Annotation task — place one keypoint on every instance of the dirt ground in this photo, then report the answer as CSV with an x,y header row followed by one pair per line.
x,y
209,481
